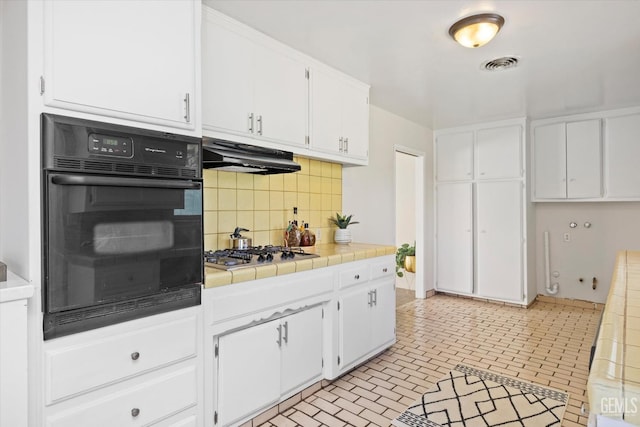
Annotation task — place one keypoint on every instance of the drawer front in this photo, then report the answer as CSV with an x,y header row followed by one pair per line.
x,y
139,406
354,276
382,268
75,369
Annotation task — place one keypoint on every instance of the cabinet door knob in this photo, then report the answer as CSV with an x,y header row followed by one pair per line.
x,y
357,277
384,270
135,355
135,412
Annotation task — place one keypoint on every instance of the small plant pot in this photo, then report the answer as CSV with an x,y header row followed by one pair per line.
x,y
410,263
342,236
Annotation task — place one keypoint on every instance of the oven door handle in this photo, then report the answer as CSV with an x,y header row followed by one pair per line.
x,y
122,182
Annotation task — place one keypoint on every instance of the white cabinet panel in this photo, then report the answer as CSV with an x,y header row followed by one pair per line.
x,y
355,326
134,59
499,152
454,157
301,348
280,97
249,371
584,154
141,405
550,161
227,73
339,115
13,363
499,240
383,321
251,88
622,139
454,237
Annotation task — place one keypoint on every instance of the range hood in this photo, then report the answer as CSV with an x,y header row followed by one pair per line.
x,y
238,157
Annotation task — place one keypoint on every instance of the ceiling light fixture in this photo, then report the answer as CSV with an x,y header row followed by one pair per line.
x,y
476,30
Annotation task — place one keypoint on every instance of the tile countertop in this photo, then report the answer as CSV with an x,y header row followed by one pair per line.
x,y
614,379
330,254
15,288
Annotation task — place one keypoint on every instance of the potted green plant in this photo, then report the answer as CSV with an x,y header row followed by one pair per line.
x,y
406,259
343,235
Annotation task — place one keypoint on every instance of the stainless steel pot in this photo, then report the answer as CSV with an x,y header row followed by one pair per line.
x,y
240,242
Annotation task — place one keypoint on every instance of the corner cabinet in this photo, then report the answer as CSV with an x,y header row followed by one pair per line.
x,y
480,209
252,86
339,114
136,60
143,372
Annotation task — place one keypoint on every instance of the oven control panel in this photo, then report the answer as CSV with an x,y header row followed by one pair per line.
x,y
110,145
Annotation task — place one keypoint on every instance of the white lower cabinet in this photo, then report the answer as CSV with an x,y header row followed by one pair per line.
x,y
143,372
260,364
366,321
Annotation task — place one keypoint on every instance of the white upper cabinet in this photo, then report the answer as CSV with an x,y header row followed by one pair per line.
x,y
251,87
568,160
622,136
339,115
499,152
135,60
550,162
584,159
454,156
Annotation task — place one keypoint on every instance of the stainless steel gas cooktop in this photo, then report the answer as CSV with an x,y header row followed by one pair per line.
x,y
232,259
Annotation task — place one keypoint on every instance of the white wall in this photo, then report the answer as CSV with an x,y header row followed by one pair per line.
x,y
591,251
368,192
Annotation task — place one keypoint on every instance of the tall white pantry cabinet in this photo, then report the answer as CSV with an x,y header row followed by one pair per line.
x,y
481,211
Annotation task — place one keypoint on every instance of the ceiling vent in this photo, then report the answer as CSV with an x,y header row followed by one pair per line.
x,y
498,64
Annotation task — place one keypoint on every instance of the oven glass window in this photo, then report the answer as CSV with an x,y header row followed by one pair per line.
x,y
109,243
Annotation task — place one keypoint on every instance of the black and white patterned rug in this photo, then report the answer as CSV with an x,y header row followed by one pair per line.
x,y
470,397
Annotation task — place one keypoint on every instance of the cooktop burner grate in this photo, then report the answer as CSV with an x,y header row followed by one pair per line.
x,y
229,259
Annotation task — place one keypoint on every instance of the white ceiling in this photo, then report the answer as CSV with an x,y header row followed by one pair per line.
x,y
576,55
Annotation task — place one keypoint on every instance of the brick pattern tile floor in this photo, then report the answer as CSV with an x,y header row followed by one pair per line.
x,y
548,344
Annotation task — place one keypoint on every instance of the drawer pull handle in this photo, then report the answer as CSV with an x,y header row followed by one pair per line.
x,y
384,270
357,277
135,412
135,355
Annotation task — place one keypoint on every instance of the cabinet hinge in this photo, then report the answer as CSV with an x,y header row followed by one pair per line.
x,y
215,417
41,85
323,313
338,305
216,351
306,73
323,362
338,360
306,140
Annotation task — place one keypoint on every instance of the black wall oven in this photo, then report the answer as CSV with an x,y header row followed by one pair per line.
x,y
122,223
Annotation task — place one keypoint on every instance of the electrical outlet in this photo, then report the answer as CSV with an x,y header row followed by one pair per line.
x,y
566,237
318,235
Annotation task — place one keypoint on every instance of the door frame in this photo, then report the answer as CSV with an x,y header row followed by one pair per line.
x,y
420,291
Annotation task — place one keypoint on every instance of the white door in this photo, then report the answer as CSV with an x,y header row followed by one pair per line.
x,y
622,143
383,319
499,153
133,59
248,371
301,348
280,97
355,120
326,112
550,161
227,78
584,166
454,238
499,240
355,325
454,157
